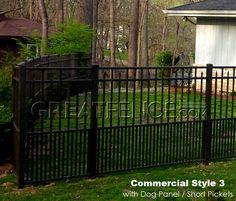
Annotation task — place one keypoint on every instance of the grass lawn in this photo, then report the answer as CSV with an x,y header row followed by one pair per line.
x,y
113,186
65,153
134,108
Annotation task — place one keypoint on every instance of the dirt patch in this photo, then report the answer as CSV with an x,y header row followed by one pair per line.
x,y
5,169
28,190
7,184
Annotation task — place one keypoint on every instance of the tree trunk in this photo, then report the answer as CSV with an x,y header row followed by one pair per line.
x,y
112,35
164,34
176,42
142,59
102,29
145,36
44,16
31,9
95,26
133,36
89,18
88,12
144,41
60,5
164,29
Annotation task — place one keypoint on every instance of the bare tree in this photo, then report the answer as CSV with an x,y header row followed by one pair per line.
x,y
176,42
156,29
112,35
31,9
88,12
145,35
60,4
44,15
164,30
133,36
101,30
90,9
95,27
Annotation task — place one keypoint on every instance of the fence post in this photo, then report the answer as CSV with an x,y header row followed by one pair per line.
x,y
20,138
207,126
92,138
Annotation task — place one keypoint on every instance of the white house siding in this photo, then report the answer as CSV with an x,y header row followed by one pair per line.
x,y
216,41
216,44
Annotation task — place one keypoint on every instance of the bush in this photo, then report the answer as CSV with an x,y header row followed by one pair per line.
x,y
5,94
73,38
164,58
5,113
7,58
25,51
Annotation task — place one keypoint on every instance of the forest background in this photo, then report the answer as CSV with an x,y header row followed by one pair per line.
x,y
132,30
112,32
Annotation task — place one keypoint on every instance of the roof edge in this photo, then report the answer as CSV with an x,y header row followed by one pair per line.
x,y
200,13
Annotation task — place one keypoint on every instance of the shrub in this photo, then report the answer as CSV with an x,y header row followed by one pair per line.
x,y
5,94
5,113
7,58
164,58
73,38
25,51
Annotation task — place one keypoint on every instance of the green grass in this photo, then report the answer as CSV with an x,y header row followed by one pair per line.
x,y
113,186
118,149
140,108
159,144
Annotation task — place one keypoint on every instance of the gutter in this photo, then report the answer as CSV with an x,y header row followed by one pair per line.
x,y
200,13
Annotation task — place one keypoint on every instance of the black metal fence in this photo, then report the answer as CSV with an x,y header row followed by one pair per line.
x,y
75,121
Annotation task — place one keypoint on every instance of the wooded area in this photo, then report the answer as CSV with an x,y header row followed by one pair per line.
x,y
125,31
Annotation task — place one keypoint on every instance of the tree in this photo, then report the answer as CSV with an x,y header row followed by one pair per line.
x,y
60,4
133,35
144,34
156,31
44,15
88,12
95,26
164,29
90,8
112,35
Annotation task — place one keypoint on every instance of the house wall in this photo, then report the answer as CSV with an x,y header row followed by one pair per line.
x,y
216,41
216,44
227,84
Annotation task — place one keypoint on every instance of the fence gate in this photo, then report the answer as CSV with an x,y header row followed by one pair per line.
x,y
75,120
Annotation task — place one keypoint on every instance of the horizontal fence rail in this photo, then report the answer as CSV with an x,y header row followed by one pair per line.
x,y
77,120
